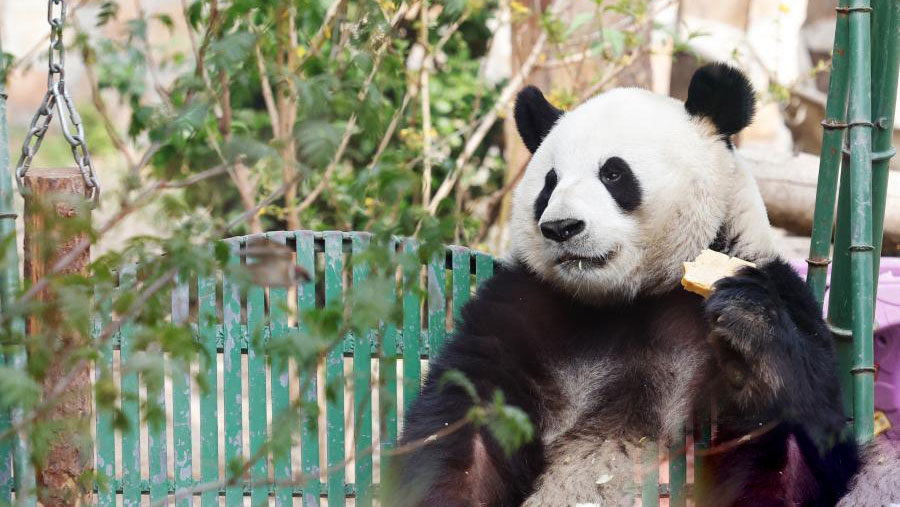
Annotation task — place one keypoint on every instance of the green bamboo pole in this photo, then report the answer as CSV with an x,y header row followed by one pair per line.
x,y
885,41
9,288
829,160
839,307
861,265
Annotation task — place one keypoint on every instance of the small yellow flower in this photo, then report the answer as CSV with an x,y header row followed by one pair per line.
x,y
784,8
519,8
300,51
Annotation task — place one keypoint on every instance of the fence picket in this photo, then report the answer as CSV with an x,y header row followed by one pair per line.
x,y
309,425
437,303
231,305
131,446
106,435
387,373
209,406
462,281
650,474
412,367
280,383
334,374
256,389
677,469
362,388
181,400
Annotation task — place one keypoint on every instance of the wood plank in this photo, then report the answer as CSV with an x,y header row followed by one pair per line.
x,y
462,282
256,389
412,367
231,305
131,446
106,435
209,407
334,375
650,474
362,387
702,442
156,442
387,375
484,268
280,383
437,303
309,426
181,399
678,469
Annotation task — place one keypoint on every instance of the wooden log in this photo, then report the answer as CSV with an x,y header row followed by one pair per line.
x,y
787,183
55,219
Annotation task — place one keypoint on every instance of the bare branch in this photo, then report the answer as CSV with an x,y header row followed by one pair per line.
x,y
425,96
389,133
487,122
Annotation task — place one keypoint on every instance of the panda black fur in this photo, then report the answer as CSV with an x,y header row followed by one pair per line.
x,y
587,331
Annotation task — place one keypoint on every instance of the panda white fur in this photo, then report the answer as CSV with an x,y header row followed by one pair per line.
x,y
587,330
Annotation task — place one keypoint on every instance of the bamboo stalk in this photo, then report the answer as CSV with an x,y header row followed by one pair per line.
x,y
886,39
829,161
861,265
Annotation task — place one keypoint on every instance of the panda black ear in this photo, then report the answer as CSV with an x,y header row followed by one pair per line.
x,y
535,116
723,94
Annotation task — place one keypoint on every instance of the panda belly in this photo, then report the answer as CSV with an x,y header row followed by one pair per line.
x,y
606,409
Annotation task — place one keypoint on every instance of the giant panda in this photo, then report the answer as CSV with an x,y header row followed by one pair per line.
x,y
586,329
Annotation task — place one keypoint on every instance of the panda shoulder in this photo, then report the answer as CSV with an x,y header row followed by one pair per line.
x,y
512,305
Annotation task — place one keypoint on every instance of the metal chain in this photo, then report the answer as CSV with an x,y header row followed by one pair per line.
x,y
57,97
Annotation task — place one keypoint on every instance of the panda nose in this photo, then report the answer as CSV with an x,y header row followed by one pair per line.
x,y
562,230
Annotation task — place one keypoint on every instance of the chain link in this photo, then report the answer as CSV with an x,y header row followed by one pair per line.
x,y
57,97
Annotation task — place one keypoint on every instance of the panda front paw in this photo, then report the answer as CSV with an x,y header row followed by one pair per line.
x,y
744,315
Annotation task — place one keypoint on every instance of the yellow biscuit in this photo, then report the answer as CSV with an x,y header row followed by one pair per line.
x,y
708,268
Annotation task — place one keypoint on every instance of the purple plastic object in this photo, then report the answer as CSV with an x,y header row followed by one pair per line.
x,y
887,340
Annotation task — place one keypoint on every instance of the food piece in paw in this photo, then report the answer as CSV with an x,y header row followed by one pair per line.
x,y
707,269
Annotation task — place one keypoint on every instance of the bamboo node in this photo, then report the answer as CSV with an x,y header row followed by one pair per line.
x,y
860,123
848,10
862,369
875,156
8,214
818,261
861,248
833,124
840,332
883,155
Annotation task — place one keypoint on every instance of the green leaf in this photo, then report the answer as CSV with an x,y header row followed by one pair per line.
x,y
509,425
459,379
109,10
17,388
577,22
615,40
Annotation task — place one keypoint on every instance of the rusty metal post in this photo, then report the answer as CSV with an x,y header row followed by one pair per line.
x,y
54,201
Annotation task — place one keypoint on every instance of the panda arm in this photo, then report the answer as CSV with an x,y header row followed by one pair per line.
x,y
467,466
778,385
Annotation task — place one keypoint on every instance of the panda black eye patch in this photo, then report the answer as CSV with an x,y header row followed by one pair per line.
x,y
623,186
540,204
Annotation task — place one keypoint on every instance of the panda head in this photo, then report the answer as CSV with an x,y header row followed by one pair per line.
x,y
626,187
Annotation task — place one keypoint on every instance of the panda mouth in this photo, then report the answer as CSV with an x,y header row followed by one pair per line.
x,y
580,262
